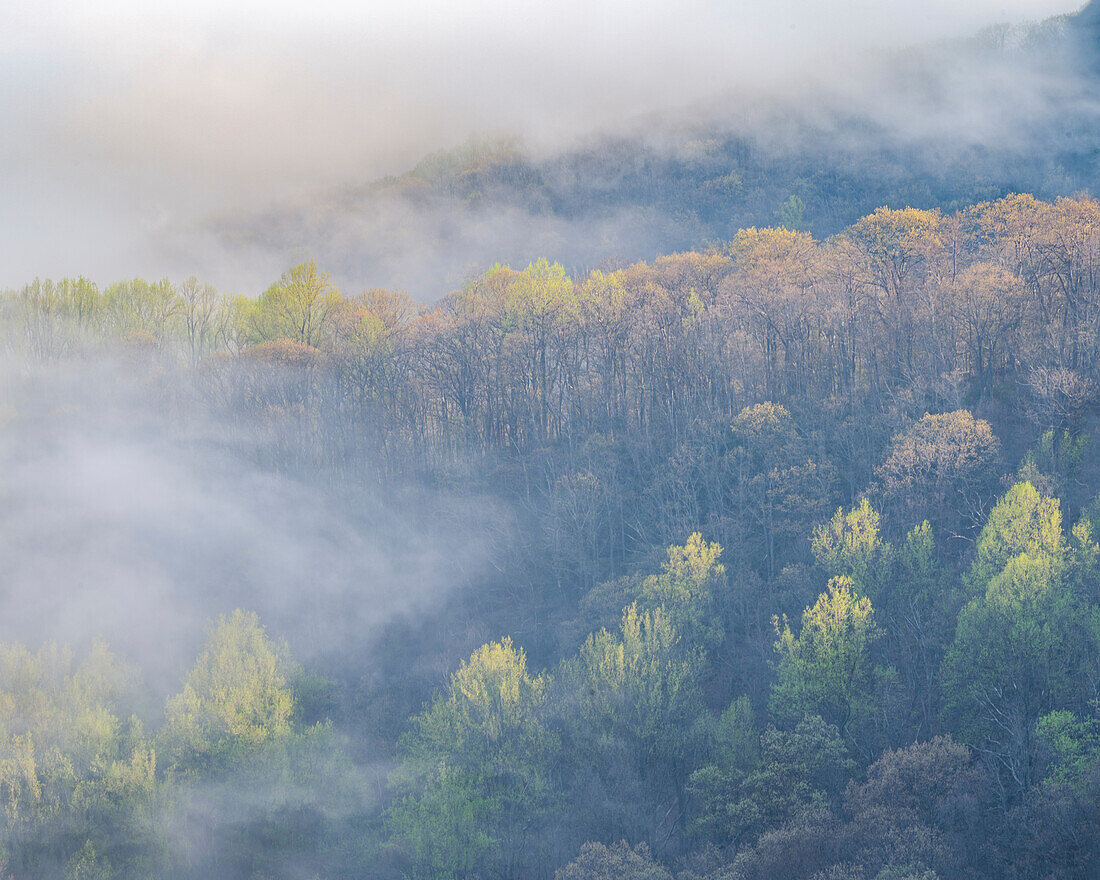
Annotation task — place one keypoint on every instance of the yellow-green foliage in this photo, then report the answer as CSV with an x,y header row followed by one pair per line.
x,y
825,669
474,771
640,684
300,306
493,697
1023,521
687,588
237,695
65,754
849,545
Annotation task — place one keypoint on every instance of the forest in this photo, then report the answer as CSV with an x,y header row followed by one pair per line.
x,y
774,560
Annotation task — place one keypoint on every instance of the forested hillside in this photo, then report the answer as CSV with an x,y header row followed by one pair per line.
x,y
777,559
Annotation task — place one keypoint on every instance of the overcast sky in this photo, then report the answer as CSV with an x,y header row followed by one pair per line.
x,y
123,122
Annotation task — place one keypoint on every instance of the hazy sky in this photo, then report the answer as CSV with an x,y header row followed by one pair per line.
x,y
126,121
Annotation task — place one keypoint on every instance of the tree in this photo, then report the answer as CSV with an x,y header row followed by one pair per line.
x,y
775,280
138,309
800,773
777,483
790,212
604,305
236,697
1060,397
849,546
232,737
921,809
1054,462
688,588
899,248
56,316
474,775
826,669
922,606
992,304
1071,744
544,301
898,244
87,865
942,469
1023,521
633,701
298,307
734,750
75,776
1024,644
207,318
1018,653
616,862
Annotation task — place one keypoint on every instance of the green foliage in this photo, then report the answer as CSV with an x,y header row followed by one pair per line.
x,y
544,289
492,702
444,829
688,588
734,739
300,307
640,686
72,772
632,702
276,811
86,865
920,607
1072,743
849,546
139,309
734,749
70,316
1084,561
922,574
790,212
826,669
1023,521
55,316
209,319
1019,652
799,773
597,410
473,773
1057,456
236,697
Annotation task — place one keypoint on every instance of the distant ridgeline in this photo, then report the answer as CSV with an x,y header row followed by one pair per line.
x,y
946,126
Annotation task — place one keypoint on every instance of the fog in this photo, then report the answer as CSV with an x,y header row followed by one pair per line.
x,y
128,512
131,133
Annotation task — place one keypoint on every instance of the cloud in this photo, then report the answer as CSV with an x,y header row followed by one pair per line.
x,y
128,122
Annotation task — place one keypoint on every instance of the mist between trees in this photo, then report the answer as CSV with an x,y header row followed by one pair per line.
x,y
777,560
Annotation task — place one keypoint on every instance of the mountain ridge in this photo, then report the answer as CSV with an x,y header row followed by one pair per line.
x,y
949,125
